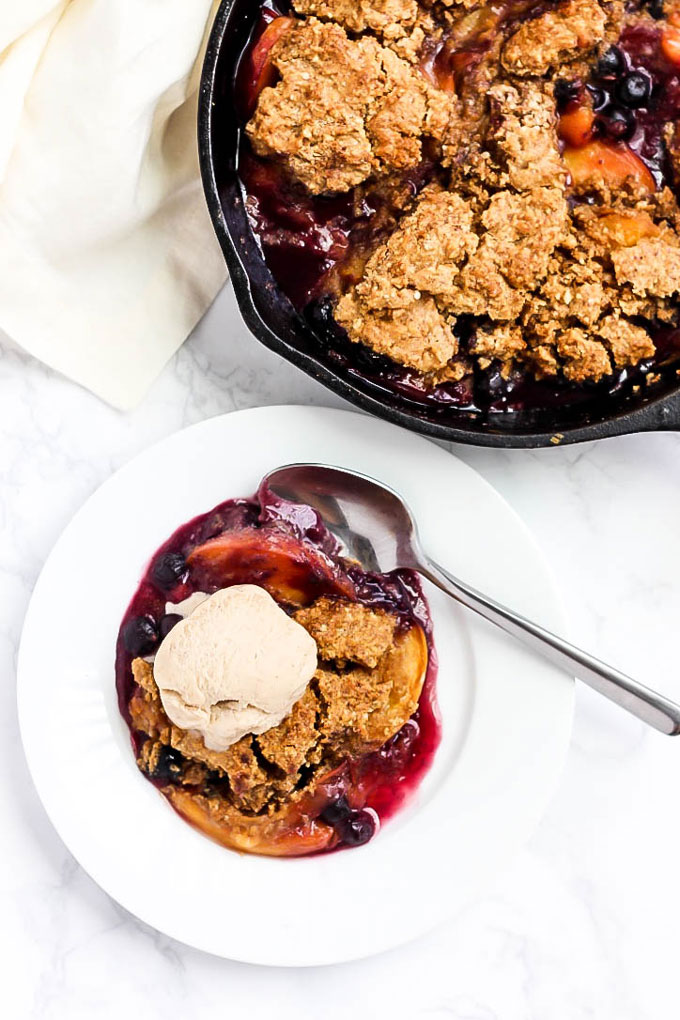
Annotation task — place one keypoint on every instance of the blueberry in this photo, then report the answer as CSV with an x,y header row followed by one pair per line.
x,y
656,9
492,386
320,317
167,622
140,636
335,812
565,92
611,63
168,570
400,748
357,829
634,90
618,125
366,360
169,765
600,98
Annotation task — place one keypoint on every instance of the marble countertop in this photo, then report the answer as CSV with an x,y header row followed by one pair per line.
x,y
583,924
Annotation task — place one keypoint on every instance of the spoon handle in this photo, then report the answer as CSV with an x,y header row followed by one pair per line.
x,y
652,708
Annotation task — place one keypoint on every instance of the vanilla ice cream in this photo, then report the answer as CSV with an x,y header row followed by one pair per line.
x,y
237,664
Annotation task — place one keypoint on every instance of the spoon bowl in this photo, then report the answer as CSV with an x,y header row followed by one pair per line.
x,y
371,521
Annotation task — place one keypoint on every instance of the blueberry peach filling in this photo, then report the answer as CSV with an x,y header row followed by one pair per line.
x,y
472,206
348,724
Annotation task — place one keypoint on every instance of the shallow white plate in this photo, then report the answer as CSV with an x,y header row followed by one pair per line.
x,y
506,714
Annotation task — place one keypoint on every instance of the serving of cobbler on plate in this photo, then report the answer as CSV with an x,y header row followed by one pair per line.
x,y
473,203
279,696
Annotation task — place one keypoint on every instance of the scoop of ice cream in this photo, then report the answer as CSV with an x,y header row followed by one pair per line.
x,y
237,664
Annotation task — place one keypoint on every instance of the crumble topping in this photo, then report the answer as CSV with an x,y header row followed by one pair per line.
x,y
294,742
554,38
362,705
402,25
522,141
348,631
585,358
479,256
652,266
142,674
540,244
393,308
344,109
346,710
388,18
627,343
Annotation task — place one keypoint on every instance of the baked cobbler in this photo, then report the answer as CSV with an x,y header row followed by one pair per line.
x,y
279,696
474,204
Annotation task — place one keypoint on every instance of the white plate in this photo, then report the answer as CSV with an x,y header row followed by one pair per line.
x,y
506,714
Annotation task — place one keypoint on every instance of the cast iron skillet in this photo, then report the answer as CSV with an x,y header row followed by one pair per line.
x,y
272,319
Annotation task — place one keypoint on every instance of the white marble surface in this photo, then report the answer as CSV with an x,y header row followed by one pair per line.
x,y
585,923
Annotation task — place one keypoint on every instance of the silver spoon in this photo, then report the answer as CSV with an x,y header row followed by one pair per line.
x,y
377,528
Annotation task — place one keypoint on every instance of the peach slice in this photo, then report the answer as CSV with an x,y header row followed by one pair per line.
x,y
613,163
262,69
405,665
291,571
576,126
285,835
670,44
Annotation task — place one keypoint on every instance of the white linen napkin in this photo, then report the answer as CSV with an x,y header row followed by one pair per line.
x,y
107,255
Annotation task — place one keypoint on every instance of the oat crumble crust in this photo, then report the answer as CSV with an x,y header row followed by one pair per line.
x,y
348,631
361,695
390,19
401,25
559,270
554,38
344,109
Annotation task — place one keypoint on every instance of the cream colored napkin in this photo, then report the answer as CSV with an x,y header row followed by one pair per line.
x,y
107,255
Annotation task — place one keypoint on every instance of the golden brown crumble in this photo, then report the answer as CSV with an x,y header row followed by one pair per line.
x,y
417,336
584,358
295,741
388,18
364,708
403,25
348,631
562,267
146,710
193,773
393,309
434,267
142,673
500,342
555,37
344,711
350,698
343,109
651,267
522,140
